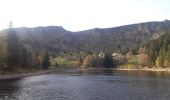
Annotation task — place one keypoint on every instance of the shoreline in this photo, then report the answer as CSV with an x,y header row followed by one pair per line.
x,y
126,69
147,69
41,72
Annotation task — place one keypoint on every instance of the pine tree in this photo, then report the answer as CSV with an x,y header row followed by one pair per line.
x,y
46,61
13,48
108,61
167,57
160,59
24,59
153,52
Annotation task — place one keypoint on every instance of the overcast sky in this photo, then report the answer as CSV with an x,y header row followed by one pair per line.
x,y
76,15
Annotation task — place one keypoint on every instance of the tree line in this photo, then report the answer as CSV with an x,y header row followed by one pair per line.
x,y
159,50
13,54
99,62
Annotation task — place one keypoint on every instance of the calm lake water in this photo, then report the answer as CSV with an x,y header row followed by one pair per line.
x,y
103,85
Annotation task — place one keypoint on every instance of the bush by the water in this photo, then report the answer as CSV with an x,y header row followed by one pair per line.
x,y
95,61
109,62
46,61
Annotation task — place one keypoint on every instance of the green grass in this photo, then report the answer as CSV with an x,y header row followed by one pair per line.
x,y
65,62
131,63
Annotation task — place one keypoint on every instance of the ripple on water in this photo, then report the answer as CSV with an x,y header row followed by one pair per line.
x,y
86,87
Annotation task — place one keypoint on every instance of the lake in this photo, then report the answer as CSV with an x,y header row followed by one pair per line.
x,y
84,85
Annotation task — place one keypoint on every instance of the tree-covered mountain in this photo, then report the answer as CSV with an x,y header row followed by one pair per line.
x,y
123,38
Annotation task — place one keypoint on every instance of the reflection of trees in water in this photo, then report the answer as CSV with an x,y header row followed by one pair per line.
x,y
8,88
97,71
108,71
142,73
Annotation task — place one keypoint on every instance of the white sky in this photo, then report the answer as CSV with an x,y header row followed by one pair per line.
x,y
76,15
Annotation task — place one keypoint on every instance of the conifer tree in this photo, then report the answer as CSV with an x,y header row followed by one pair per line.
x,y
13,48
24,59
161,56
46,61
108,61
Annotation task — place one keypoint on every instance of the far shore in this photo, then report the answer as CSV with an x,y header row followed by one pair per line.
x,y
126,69
150,69
41,72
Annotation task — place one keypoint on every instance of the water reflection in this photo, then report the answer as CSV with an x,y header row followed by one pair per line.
x,y
98,72
141,73
89,85
8,87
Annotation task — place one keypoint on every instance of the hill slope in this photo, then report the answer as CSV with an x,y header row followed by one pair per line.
x,y
124,38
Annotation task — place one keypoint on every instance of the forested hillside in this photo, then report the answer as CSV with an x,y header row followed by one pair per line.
x,y
158,50
126,38
123,38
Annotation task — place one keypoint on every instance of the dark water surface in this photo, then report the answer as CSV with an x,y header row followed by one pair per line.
x,y
106,85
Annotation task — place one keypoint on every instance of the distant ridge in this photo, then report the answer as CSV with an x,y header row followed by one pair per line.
x,y
125,38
